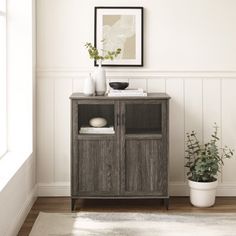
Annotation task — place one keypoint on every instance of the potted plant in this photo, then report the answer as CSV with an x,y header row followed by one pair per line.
x,y
203,163
100,74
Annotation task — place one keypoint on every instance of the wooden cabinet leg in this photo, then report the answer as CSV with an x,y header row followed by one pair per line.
x,y
77,206
73,204
166,203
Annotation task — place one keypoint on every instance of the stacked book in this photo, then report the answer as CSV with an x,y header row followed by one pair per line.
x,y
127,93
94,130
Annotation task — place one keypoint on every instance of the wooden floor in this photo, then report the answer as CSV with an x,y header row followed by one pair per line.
x,y
177,204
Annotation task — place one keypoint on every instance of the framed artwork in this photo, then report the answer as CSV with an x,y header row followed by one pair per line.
x,y
120,27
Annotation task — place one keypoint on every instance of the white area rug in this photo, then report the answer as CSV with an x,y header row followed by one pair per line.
x,y
134,224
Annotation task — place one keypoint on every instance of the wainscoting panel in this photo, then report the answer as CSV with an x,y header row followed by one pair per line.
x,y
229,126
198,100
45,131
175,87
193,106
77,85
63,89
138,83
156,85
211,109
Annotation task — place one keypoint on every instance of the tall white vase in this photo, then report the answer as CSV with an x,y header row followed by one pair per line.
x,y
89,86
100,80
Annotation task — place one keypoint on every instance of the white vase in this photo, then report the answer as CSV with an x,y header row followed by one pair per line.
x,y
89,86
100,80
202,194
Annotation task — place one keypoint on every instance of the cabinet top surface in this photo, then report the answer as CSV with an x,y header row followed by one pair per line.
x,y
149,96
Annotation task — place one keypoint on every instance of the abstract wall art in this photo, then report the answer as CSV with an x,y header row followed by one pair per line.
x,y
120,27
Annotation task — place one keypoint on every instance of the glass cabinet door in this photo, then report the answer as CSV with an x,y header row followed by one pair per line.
x,y
143,118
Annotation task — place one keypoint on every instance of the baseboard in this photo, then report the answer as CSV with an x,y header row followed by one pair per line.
x,y
22,214
176,189
223,189
54,189
226,190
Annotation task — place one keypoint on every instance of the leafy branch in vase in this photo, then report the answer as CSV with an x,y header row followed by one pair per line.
x,y
106,54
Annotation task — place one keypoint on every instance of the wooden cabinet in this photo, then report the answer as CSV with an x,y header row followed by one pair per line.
x,y
132,162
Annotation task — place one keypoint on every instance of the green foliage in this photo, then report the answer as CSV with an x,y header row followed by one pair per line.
x,y
204,161
106,55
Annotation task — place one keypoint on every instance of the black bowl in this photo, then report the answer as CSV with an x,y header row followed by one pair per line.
x,y
119,85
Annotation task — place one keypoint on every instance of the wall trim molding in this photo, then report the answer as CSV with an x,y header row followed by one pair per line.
x,y
134,73
59,189
176,189
18,221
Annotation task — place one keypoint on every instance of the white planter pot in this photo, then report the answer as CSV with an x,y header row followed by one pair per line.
x,y
202,194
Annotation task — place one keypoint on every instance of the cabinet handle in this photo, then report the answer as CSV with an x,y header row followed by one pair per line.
x,y
117,119
123,119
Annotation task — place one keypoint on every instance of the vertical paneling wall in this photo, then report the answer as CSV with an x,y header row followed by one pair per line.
x,y
196,103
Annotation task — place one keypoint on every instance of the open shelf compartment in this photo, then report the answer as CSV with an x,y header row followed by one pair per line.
x,y
89,111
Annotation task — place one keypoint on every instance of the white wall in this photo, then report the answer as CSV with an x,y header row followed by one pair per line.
x,y
190,53
179,35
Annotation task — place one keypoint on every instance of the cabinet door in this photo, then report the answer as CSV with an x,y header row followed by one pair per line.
x,y
98,167
95,159
145,169
144,160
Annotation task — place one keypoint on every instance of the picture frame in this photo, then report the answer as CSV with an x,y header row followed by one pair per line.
x,y
120,27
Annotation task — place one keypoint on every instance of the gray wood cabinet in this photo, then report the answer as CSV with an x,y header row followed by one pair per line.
x,y
132,162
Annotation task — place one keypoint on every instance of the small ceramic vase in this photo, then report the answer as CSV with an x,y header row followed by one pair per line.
x,y
89,86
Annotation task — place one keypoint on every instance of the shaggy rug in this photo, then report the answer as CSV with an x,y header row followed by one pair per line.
x,y
134,224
